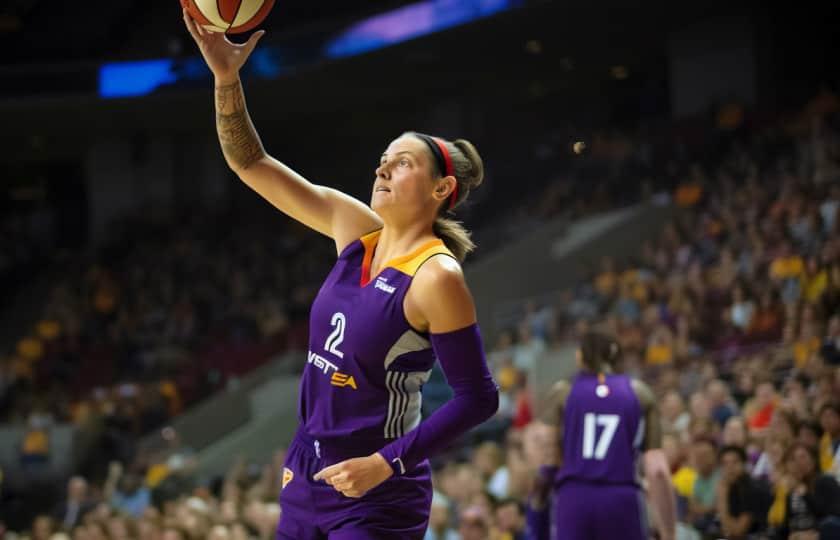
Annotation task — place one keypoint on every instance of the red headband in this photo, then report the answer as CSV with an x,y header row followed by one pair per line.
x,y
450,171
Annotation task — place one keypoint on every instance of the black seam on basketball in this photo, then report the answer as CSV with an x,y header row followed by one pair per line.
x,y
235,15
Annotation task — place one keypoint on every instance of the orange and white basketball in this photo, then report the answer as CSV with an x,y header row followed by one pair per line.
x,y
228,16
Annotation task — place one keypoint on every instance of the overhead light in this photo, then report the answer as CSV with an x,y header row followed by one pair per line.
x,y
533,46
619,72
578,147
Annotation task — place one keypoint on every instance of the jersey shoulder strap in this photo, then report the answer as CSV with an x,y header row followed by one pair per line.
x,y
412,264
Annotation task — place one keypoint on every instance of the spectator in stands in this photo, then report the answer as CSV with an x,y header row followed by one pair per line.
x,y
813,498
767,321
769,466
510,519
720,401
831,344
759,410
439,520
735,433
76,504
829,416
674,416
126,492
35,446
702,502
489,459
42,527
742,502
475,524
527,349
742,309
810,433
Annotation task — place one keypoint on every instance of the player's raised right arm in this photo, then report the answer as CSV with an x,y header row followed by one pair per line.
x,y
321,208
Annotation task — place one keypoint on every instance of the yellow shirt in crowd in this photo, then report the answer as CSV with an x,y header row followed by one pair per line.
x,y
787,267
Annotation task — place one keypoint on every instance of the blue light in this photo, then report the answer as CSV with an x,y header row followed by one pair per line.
x,y
265,63
411,21
131,79
127,79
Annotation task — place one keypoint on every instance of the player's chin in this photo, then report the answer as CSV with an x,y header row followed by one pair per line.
x,y
381,200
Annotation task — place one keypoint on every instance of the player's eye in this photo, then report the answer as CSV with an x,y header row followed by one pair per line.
x,y
404,162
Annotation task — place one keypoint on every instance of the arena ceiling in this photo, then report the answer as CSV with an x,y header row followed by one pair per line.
x,y
53,31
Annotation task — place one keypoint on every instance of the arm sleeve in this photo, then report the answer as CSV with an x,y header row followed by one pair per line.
x,y
475,399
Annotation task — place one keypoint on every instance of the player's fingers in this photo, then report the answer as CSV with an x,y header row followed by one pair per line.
x,y
327,472
252,41
191,28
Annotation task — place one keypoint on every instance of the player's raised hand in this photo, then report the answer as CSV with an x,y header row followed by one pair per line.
x,y
223,57
355,477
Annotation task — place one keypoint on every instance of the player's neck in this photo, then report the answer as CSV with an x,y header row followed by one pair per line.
x,y
396,240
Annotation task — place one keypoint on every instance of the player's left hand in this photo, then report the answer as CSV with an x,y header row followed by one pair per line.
x,y
355,477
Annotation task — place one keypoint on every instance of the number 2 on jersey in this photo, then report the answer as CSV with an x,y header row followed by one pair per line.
x,y
590,420
334,340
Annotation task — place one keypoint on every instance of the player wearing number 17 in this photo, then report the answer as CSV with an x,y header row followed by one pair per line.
x,y
602,421
394,302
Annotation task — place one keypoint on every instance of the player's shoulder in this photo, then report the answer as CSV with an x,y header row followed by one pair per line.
x,y
561,387
554,401
439,270
440,294
643,392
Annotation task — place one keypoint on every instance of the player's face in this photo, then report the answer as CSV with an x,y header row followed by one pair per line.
x,y
404,176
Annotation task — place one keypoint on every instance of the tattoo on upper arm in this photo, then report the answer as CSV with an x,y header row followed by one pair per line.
x,y
239,140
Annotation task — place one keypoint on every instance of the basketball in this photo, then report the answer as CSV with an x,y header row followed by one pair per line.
x,y
228,16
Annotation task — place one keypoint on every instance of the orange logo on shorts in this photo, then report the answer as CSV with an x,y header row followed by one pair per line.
x,y
287,477
341,380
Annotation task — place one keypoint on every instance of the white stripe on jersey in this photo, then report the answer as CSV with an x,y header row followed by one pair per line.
x,y
410,341
404,401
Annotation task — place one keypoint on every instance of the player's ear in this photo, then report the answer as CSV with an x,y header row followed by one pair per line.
x,y
444,187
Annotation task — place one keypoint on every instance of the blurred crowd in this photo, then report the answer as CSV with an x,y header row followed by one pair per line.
x,y
240,506
152,323
732,315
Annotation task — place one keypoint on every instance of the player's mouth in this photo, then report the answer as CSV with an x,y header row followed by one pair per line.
x,y
382,189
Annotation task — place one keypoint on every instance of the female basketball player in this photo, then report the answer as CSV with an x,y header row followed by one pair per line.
x,y
602,422
394,301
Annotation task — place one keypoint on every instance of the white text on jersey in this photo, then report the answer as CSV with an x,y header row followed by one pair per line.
x,y
380,284
321,362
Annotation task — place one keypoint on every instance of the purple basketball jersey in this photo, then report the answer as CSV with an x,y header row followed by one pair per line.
x,y
365,365
602,431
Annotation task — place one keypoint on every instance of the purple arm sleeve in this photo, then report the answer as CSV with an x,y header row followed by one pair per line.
x,y
476,399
